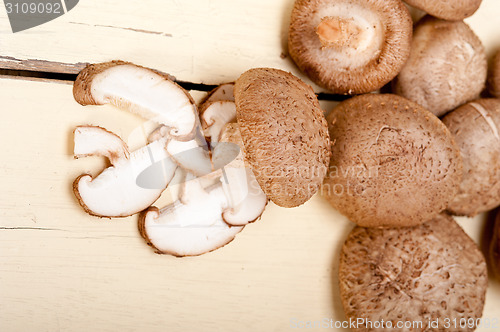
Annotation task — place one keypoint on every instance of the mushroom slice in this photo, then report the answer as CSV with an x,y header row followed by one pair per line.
x,y
202,220
191,155
189,229
221,93
97,141
120,191
246,200
350,47
215,117
139,90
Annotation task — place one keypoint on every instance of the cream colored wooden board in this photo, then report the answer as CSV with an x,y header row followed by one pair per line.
x,y
198,41
62,270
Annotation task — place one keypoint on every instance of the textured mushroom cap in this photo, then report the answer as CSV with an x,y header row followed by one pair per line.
x,y
447,66
494,76
453,10
372,42
393,162
476,127
413,274
284,132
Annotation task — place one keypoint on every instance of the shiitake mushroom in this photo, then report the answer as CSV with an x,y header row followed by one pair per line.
x,y
393,162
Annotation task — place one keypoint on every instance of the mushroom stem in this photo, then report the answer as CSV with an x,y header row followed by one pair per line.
x,y
338,32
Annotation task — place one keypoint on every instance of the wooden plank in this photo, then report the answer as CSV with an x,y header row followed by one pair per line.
x,y
202,41
7,62
62,269
196,41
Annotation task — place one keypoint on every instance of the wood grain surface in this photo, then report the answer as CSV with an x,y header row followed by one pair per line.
x,y
63,270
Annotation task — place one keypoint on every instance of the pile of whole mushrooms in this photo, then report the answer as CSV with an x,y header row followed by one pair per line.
x,y
398,164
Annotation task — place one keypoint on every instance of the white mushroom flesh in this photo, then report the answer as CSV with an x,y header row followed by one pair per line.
x,y
222,92
246,200
190,155
96,141
215,117
148,94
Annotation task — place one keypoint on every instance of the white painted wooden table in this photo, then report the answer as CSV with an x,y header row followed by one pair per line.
x,y
63,270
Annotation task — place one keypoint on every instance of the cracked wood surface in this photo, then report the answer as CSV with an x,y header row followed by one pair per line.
x,y
202,41
196,41
63,270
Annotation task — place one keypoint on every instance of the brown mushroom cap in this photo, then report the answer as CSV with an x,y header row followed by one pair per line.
x,y
393,162
476,128
447,66
494,76
427,272
284,132
350,47
452,10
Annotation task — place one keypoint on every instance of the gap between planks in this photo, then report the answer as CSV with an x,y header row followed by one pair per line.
x,y
66,73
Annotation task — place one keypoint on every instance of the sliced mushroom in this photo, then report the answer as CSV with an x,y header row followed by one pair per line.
x,y
97,141
189,229
200,221
452,10
191,155
220,93
215,116
117,191
140,90
246,200
204,219
350,47
447,66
